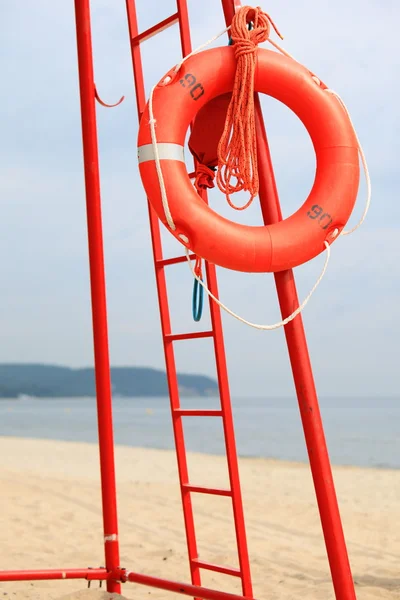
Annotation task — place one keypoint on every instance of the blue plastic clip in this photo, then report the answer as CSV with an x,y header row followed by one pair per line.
x,y
197,300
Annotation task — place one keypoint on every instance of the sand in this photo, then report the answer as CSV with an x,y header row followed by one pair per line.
x,y
51,518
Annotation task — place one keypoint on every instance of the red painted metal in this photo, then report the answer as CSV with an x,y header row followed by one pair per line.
x,y
88,96
294,331
302,372
98,288
184,412
184,27
305,389
200,489
174,261
180,588
193,335
168,338
164,312
145,35
219,569
230,443
47,574
100,101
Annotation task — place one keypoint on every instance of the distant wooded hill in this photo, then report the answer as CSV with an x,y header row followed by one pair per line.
x,y
48,381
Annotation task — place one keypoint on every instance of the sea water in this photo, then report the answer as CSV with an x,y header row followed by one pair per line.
x,y
359,431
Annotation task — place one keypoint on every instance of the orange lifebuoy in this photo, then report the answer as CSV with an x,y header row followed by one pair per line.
x,y
299,238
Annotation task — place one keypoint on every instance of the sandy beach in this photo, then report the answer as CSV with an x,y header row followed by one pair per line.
x,y
51,518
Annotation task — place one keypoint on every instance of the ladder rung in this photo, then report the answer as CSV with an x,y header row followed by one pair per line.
x,y
183,412
218,568
145,35
164,262
204,490
173,337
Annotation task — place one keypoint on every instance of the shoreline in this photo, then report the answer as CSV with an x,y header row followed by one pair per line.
x,y
358,434
241,457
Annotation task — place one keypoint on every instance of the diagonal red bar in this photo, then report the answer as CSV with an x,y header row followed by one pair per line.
x,y
158,28
180,588
305,388
302,371
194,335
199,489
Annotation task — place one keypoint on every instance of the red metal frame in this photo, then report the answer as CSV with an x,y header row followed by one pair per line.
x,y
168,338
99,317
302,371
98,288
47,574
295,337
179,588
306,391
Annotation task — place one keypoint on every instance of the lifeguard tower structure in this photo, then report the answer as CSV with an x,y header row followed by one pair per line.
x,y
114,573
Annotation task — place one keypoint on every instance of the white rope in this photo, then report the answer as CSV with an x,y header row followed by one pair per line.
x,y
255,325
363,161
170,221
199,48
164,198
360,148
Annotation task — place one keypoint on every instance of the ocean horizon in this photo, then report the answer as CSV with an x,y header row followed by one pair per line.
x,y
361,432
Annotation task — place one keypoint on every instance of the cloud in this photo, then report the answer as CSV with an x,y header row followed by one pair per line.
x,y
45,301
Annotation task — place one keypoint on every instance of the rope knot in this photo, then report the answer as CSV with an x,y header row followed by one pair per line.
x,y
237,149
245,38
204,177
243,46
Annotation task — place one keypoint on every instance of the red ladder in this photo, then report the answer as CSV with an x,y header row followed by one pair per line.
x,y
225,412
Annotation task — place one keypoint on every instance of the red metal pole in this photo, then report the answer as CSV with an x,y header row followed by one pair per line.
x,y
179,588
305,388
46,574
98,289
302,373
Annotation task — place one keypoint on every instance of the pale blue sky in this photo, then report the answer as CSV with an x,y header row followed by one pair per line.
x,y
352,320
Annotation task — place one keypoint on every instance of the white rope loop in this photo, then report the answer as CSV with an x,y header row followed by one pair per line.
x,y
360,148
170,221
275,325
363,161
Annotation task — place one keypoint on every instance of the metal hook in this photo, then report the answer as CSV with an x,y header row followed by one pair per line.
x,y
100,101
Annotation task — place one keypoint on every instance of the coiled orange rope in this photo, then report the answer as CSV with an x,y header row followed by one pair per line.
x,y
237,148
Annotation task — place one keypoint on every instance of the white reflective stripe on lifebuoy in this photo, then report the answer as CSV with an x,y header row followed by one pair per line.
x,y
166,151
